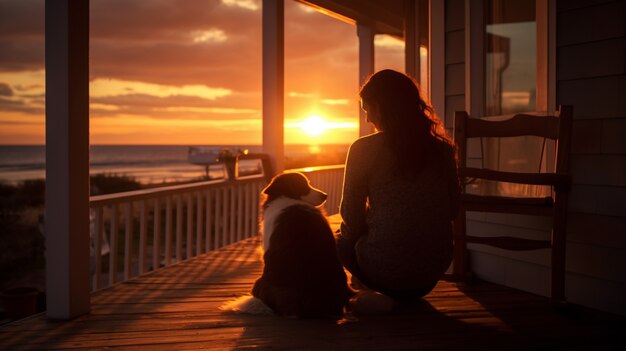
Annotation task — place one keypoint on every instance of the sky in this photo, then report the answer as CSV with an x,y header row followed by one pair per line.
x,y
188,72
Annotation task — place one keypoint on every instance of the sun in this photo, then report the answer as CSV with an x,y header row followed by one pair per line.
x,y
313,125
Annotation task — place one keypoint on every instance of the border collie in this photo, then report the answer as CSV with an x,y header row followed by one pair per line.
x,y
302,276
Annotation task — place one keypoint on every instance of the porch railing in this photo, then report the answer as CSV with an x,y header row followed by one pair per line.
x,y
140,231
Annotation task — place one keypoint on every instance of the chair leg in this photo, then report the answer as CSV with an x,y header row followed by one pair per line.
x,y
558,250
460,269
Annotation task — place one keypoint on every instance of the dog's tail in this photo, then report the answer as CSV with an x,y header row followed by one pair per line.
x,y
246,304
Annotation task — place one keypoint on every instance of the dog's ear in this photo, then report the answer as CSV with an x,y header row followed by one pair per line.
x,y
290,184
273,188
269,189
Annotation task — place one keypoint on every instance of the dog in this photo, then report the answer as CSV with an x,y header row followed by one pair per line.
x,y
302,276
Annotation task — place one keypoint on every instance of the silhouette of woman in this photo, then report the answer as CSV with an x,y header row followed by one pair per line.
x,y
400,193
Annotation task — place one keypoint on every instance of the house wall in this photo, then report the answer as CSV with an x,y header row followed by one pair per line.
x,y
591,76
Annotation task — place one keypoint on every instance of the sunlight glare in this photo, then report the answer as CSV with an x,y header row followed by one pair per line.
x,y
313,125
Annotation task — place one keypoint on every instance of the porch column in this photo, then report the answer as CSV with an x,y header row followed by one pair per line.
x,y
273,82
437,59
67,158
412,39
474,64
366,68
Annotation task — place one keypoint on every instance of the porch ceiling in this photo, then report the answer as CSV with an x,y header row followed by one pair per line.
x,y
385,17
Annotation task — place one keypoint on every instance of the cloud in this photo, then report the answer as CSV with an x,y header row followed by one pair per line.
x,y
112,87
21,93
21,35
335,101
208,36
296,94
186,59
5,90
388,41
177,106
23,18
15,105
246,4
216,110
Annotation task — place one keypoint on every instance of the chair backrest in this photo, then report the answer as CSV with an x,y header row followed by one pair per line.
x,y
556,127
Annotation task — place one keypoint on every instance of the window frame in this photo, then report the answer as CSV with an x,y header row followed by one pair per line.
x,y
475,59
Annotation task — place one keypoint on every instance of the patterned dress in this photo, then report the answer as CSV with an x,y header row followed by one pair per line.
x,y
401,229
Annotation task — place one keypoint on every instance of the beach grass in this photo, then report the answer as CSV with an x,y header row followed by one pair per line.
x,y
22,243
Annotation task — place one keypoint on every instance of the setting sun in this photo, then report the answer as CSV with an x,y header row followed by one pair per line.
x,y
315,129
314,125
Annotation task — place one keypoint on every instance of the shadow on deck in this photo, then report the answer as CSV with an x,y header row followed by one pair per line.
x,y
177,308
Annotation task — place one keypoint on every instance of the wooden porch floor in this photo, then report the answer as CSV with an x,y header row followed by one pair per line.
x,y
176,308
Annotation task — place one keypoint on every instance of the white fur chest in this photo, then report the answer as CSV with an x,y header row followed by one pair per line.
x,y
272,212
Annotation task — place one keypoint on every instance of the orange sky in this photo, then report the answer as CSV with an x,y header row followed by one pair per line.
x,y
189,72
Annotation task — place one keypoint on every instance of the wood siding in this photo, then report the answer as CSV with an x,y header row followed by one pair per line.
x,y
455,59
591,75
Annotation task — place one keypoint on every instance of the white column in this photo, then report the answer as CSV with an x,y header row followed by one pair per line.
x,y
412,39
273,82
437,60
366,68
67,158
474,57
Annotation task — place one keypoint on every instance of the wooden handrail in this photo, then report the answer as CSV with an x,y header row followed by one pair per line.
x,y
151,193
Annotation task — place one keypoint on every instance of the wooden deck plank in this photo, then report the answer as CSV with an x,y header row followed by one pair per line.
x,y
176,308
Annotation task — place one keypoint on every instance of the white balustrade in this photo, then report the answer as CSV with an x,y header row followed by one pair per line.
x,y
140,231
197,219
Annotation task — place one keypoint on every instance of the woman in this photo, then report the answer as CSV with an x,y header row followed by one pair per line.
x,y
400,193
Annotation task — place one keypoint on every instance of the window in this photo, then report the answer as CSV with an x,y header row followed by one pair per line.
x,y
508,73
510,57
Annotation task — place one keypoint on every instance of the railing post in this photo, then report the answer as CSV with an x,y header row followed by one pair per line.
x,y
199,223
218,219
189,245
143,223
156,238
240,211
98,248
128,241
225,207
114,242
168,231
179,228
209,244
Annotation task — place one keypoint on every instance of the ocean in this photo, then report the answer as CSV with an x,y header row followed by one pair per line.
x,y
150,164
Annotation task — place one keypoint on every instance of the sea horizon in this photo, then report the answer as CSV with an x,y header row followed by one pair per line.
x,y
152,163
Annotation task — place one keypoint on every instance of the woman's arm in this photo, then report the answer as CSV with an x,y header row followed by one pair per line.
x,y
353,206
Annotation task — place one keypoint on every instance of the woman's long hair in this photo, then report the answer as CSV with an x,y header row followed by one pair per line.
x,y
410,127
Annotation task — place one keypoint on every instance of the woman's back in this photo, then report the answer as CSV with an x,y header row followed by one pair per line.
x,y
408,219
400,192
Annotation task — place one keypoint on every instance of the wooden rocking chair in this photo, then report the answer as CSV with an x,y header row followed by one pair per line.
x,y
557,128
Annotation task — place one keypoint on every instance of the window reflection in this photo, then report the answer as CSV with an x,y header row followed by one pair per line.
x,y
510,87
510,56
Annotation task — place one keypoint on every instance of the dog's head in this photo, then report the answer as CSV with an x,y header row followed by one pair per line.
x,y
293,185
